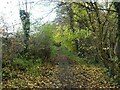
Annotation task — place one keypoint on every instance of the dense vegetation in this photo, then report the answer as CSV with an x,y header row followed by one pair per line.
x,y
85,37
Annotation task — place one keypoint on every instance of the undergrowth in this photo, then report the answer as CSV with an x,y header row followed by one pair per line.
x,y
19,66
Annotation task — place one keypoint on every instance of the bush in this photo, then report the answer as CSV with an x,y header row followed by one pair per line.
x,y
40,42
39,46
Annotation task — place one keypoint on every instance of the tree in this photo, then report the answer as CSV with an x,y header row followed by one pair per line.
x,y
26,28
72,26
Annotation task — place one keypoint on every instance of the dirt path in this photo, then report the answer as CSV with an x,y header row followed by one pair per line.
x,y
64,75
68,75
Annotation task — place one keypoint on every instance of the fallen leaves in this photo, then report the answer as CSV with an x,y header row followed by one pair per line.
x,y
60,76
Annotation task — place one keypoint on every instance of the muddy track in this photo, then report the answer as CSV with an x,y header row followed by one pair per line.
x,y
65,74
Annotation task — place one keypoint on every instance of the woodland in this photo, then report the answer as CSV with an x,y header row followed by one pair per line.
x,y
79,49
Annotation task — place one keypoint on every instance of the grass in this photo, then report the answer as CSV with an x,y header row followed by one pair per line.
x,y
64,51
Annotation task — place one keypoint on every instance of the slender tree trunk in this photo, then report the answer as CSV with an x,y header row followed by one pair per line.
x,y
117,7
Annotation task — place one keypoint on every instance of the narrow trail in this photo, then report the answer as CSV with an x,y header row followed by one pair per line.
x,y
64,75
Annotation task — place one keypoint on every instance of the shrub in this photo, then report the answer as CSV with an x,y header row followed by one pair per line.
x,y
39,46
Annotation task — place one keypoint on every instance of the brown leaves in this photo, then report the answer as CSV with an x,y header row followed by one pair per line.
x,y
73,76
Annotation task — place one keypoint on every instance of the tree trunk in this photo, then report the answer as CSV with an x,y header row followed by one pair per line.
x,y
26,28
117,7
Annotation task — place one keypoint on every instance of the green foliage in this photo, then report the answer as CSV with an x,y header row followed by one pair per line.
x,y
69,36
22,64
54,50
66,37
